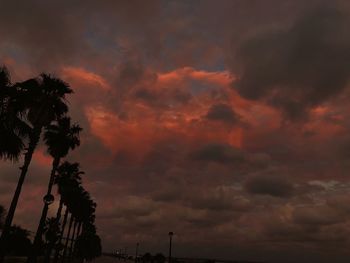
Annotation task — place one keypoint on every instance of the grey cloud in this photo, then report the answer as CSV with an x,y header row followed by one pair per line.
x,y
221,153
269,185
222,112
316,215
130,207
218,199
298,68
49,34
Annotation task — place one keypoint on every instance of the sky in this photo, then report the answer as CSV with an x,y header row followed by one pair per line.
x,y
226,122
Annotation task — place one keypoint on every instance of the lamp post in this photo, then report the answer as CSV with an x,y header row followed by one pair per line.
x,y
48,199
137,250
170,244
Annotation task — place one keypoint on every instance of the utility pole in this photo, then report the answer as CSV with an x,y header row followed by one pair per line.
x,y
170,244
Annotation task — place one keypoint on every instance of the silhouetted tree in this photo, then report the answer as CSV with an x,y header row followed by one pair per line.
x,y
65,249
159,258
88,246
13,130
41,101
147,258
17,242
67,179
68,182
59,246
51,233
83,209
60,137
73,206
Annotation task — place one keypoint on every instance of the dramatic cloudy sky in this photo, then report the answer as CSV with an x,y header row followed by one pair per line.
x,y
226,122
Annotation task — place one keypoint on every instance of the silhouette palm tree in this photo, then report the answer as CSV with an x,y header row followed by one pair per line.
x,y
41,100
68,177
84,214
88,244
51,232
60,137
13,130
68,180
73,205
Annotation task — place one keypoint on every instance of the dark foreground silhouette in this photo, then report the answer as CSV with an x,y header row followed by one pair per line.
x,y
30,110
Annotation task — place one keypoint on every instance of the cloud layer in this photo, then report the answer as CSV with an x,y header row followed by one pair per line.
x,y
224,123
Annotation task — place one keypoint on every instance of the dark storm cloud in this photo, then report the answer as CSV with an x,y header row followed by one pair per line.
x,y
50,34
222,112
269,185
39,30
298,68
221,153
131,76
218,199
315,216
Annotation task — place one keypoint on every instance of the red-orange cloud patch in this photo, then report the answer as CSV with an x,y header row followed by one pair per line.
x,y
82,76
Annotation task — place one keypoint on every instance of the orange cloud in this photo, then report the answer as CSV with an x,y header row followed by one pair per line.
x,y
146,125
138,136
223,78
74,74
116,134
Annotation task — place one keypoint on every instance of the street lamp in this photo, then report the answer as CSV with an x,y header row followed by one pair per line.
x,y
170,243
137,250
48,199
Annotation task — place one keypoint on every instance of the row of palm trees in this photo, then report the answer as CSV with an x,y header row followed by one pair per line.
x,y
30,110
79,215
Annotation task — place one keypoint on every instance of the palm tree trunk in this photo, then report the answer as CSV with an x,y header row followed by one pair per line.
x,y
72,240
67,238
76,235
61,234
38,236
34,139
58,217
59,211
79,228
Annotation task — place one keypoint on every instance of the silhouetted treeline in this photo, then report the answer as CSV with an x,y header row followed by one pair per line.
x,y
157,258
30,110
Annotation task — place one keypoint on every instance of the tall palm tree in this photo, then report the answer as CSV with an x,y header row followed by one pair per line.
x,y
59,245
88,244
68,177
65,249
13,130
60,137
73,205
42,100
68,182
84,212
51,232
87,217
70,251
